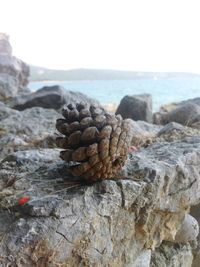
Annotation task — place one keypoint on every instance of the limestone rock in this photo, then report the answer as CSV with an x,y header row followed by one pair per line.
x,y
188,231
5,47
53,97
170,255
68,222
13,72
186,113
27,129
136,107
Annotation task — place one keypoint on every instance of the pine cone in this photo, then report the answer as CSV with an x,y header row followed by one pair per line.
x,y
96,140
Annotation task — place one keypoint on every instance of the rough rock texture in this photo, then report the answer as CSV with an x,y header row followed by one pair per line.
x,y
186,113
33,127
13,72
111,223
188,231
5,47
172,255
53,97
136,107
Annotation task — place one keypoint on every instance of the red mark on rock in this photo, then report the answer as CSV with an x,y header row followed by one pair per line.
x,y
133,149
23,200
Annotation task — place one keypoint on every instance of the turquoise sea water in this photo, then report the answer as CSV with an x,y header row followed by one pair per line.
x,y
163,90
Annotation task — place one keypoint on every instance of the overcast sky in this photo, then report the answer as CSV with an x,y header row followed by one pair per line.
x,y
141,35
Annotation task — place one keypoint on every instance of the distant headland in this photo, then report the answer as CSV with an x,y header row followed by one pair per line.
x,y
44,74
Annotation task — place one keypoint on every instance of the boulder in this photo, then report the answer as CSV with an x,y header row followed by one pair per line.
x,y
58,220
172,255
136,107
53,97
5,47
186,113
13,71
33,127
188,231
175,131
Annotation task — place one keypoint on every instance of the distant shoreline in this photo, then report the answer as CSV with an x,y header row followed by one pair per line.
x,y
38,74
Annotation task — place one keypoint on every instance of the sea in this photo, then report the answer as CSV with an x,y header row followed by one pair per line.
x,y
163,90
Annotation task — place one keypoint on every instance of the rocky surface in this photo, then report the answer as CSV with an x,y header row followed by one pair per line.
x,y
186,113
28,129
13,71
170,255
136,107
53,97
110,223
146,216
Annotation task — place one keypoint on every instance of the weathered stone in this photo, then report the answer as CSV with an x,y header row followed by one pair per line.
x,y
175,131
5,47
13,72
27,129
5,111
114,221
188,231
53,97
136,107
170,255
144,133
186,113
168,128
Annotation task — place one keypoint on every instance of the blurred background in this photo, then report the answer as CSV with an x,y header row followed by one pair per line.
x,y
108,49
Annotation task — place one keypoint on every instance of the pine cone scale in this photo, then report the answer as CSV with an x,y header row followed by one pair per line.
x,y
96,140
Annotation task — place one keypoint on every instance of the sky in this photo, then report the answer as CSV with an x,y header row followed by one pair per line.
x,y
138,35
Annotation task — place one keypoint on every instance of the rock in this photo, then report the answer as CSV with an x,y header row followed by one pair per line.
x,y
53,97
67,222
27,129
13,72
5,47
168,128
195,212
188,231
196,254
175,131
186,113
136,107
170,255
5,111
195,101
144,133
143,259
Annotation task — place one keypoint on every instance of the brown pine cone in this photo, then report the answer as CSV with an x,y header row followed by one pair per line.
x,y
96,140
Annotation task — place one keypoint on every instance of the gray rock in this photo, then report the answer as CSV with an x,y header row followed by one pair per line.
x,y
175,131
136,107
188,231
113,221
13,71
186,113
5,111
170,127
30,128
170,255
143,132
5,47
195,101
53,97
143,259
195,212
